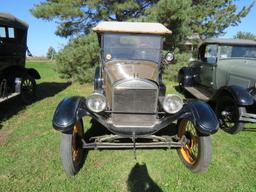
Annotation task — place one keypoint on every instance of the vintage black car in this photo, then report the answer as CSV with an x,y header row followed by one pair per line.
x,y
15,79
129,100
224,75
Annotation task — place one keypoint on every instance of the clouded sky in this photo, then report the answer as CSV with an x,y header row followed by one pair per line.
x,y
41,33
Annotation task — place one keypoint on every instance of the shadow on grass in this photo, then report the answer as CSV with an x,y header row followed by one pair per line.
x,y
96,129
44,90
140,180
250,129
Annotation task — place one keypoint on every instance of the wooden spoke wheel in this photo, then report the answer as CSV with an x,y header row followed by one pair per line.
x,y
28,89
72,152
196,153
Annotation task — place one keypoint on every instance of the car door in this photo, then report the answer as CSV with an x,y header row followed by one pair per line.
x,y
207,65
3,37
3,48
7,41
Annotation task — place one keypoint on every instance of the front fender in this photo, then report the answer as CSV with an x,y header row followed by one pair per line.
x,y
240,94
187,76
201,114
68,112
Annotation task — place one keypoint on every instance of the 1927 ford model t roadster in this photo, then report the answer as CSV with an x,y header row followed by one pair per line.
x,y
15,79
129,100
224,76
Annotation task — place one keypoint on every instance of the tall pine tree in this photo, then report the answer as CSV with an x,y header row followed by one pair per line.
x,y
183,17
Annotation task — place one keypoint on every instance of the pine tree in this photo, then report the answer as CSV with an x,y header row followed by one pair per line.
x,y
183,17
245,35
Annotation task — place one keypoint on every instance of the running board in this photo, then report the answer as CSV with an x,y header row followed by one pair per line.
x,y
8,97
199,93
248,117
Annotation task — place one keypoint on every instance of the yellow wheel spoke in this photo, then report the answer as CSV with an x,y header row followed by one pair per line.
x,y
190,151
77,135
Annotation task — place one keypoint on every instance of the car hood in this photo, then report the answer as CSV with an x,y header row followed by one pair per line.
x,y
119,70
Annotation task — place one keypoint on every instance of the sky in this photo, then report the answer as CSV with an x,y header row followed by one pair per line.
x,y
41,33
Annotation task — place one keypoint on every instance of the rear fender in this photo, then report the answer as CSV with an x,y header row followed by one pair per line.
x,y
201,114
33,73
68,112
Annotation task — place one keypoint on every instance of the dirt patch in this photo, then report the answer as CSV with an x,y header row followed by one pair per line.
x,y
4,136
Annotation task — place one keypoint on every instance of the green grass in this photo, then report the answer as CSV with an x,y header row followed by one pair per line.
x,y
29,154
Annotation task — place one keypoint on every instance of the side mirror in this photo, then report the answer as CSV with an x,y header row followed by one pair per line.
x,y
29,53
169,58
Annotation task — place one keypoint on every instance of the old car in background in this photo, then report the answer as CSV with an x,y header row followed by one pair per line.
x,y
129,100
224,75
15,79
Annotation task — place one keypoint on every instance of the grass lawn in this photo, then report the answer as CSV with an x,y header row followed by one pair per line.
x,y
29,154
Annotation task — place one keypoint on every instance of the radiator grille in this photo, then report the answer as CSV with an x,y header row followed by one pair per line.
x,y
135,99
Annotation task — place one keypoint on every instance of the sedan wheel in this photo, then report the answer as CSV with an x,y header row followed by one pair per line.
x,y
28,89
228,113
196,153
72,152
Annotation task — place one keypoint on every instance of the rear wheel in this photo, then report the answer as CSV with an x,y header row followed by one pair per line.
x,y
72,152
196,153
228,113
27,89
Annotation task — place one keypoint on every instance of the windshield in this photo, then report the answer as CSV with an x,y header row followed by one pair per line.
x,y
132,46
235,51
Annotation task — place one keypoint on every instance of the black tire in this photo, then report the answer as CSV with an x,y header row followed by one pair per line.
x,y
71,151
27,89
228,113
196,154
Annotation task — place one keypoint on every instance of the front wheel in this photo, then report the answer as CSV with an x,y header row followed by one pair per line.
x,y
228,113
71,148
196,153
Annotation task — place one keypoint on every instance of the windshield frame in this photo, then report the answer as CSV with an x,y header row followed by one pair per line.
x,y
158,61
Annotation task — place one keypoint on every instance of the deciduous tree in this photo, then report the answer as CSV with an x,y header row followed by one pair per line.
x,y
51,53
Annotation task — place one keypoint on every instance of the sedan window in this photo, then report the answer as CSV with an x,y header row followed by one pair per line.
x,y
236,51
210,55
2,32
11,34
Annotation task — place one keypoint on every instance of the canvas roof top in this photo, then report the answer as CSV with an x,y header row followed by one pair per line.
x,y
10,20
132,27
230,41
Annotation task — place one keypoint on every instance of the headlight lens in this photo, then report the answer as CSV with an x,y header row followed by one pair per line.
x,y
172,103
96,102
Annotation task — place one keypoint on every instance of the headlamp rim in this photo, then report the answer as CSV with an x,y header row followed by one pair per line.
x,y
172,95
96,94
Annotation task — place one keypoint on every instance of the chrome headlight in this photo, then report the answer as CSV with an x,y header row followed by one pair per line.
x,y
172,103
96,102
